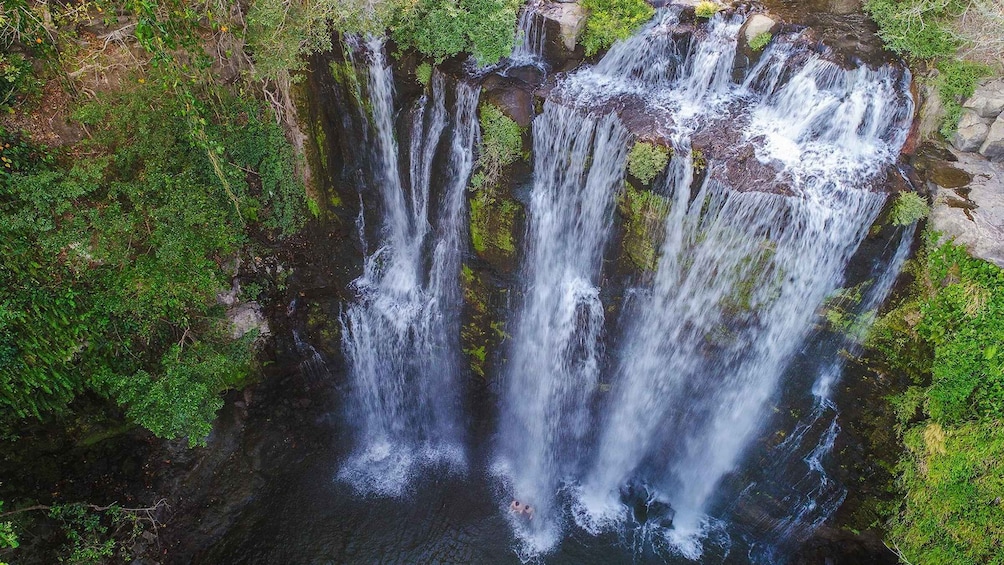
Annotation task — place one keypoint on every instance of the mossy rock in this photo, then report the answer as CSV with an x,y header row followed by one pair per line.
x,y
645,214
482,330
493,226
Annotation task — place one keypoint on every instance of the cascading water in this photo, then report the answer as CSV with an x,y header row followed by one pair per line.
x,y
809,496
530,38
555,361
405,398
740,278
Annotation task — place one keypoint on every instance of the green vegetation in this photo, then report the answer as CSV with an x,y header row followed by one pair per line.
x,y
112,249
501,145
700,163
939,31
113,259
908,208
646,160
423,74
946,336
706,9
760,41
493,219
611,20
918,28
444,28
839,313
645,213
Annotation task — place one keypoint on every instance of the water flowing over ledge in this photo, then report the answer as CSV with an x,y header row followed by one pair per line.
x,y
621,425
398,335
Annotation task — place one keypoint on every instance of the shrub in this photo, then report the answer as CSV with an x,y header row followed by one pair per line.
x,y
423,74
612,20
760,41
908,208
17,80
646,160
915,27
501,144
706,9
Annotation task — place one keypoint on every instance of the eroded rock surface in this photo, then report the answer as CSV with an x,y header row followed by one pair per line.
x,y
974,216
993,145
971,133
988,99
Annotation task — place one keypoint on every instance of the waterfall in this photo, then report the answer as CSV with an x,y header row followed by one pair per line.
x,y
399,334
555,357
530,38
807,494
748,256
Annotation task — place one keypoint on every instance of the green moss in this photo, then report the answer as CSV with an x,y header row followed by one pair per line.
x,y
474,338
314,207
646,160
645,213
749,281
839,313
760,41
321,139
700,163
493,220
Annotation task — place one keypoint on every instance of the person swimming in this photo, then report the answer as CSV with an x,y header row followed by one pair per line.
x,y
519,508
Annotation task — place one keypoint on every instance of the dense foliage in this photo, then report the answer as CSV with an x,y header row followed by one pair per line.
x,y
112,250
444,28
112,259
947,335
611,20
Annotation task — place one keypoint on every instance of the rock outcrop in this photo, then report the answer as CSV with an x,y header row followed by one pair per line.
x,y
971,132
248,316
988,99
981,127
973,215
993,145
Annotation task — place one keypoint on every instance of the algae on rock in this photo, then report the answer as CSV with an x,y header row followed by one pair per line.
x,y
645,215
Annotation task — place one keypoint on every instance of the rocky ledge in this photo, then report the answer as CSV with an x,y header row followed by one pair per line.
x,y
981,127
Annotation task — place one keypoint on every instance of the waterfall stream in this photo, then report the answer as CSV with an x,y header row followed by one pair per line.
x,y
398,336
623,418
741,274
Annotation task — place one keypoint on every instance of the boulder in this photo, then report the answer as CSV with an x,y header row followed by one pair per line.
x,y
976,222
993,146
246,317
971,133
755,25
513,96
569,19
988,99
